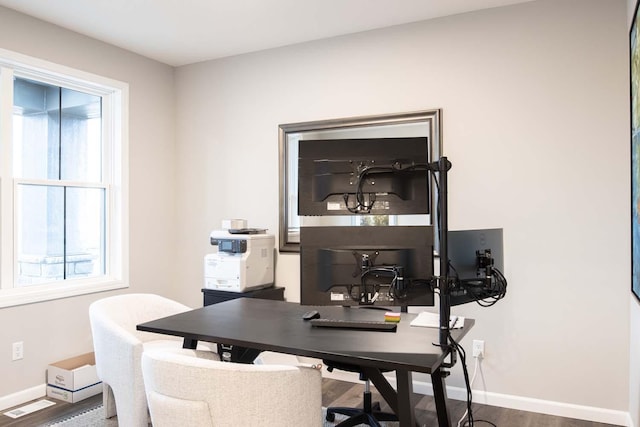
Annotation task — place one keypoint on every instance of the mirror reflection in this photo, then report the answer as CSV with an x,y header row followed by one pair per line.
x,y
414,124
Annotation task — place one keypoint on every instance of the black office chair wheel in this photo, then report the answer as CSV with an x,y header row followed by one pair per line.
x,y
370,414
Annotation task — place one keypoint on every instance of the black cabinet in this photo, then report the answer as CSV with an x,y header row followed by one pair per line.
x,y
212,296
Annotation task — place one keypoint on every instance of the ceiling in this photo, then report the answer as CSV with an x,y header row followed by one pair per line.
x,y
188,31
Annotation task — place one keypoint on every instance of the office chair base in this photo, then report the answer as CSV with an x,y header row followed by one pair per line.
x,y
370,413
359,416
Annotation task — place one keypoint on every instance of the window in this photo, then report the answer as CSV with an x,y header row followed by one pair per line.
x,y
63,181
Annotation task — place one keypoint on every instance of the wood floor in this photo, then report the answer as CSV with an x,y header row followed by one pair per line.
x,y
340,393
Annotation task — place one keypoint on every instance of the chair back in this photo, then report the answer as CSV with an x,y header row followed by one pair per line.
x,y
187,390
125,312
118,348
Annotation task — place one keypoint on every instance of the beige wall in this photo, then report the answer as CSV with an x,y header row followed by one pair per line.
x,y
535,108
59,329
535,122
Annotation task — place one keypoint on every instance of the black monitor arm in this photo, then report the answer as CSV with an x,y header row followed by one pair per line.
x,y
442,167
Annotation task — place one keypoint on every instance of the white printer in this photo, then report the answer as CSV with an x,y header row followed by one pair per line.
x,y
244,260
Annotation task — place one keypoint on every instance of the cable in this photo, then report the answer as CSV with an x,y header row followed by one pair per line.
x,y
473,378
381,270
479,421
363,206
469,422
438,214
500,286
463,359
497,287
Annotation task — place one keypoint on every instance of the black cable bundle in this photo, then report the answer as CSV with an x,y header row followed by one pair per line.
x,y
497,290
361,205
463,358
385,270
469,421
483,294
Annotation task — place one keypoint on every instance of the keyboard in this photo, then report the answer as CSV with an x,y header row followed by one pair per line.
x,y
363,325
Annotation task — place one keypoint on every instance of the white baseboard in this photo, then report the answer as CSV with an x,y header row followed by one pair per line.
x,y
548,407
23,396
559,409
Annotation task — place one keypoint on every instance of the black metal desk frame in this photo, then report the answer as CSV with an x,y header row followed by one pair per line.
x,y
254,325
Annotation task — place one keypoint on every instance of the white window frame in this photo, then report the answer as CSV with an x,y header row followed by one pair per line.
x,y
115,131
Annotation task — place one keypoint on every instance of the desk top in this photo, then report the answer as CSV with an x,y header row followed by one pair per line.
x,y
277,326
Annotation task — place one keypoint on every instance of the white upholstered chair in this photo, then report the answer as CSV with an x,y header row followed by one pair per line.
x,y
186,390
118,349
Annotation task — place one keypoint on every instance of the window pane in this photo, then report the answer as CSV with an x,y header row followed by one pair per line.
x,y
50,217
85,232
57,133
40,234
36,130
81,130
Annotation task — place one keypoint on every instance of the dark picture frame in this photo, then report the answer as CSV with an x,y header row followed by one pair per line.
x,y
416,123
634,69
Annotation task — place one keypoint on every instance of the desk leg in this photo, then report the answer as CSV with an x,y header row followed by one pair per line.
x,y
234,353
244,355
189,343
440,397
406,413
400,401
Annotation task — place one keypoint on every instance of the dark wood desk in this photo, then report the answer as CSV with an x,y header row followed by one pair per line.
x,y
267,325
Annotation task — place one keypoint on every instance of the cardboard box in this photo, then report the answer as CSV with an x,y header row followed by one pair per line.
x,y
73,379
73,396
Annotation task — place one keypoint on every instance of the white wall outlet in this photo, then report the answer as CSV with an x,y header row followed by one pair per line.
x,y
18,350
478,348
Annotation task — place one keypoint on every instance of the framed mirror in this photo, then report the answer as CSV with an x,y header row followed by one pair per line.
x,y
413,124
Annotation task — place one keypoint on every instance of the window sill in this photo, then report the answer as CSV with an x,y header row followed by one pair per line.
x,y
39,293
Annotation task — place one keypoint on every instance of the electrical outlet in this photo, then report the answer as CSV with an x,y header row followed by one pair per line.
x,y
478,348
18,350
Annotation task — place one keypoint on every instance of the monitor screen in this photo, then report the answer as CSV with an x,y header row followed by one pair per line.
x,y
366,265
379,176
473,256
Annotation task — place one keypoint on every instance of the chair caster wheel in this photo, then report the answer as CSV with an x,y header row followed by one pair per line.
x,y
330,417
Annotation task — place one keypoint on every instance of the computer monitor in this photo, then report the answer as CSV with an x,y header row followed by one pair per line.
x,y
379,176
476,264
366,265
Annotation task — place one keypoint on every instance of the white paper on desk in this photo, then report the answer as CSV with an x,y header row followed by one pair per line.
x,y
427,319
